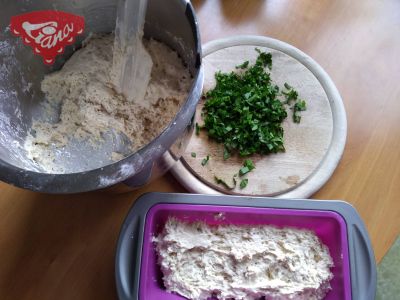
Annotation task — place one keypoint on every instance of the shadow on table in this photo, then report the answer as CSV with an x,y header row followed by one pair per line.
x,y
66,247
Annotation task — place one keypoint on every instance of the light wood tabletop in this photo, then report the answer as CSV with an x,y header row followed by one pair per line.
x,y
63,247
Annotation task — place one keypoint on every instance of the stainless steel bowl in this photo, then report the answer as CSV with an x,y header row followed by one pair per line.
x,y
170,21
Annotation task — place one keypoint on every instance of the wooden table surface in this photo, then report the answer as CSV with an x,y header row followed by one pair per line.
x,y
62,247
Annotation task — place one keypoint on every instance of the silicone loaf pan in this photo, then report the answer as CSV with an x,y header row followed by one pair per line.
x,y
336,223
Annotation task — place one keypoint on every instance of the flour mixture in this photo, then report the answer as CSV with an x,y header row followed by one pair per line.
x,y
243,262
89,111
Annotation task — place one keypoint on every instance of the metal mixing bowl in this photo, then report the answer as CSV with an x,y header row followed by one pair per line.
x,y
21,72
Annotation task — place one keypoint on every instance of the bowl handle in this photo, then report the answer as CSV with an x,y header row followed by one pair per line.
x,y
128,262
365,276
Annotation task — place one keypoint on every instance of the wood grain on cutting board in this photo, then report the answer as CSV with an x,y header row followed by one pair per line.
x,y
305,144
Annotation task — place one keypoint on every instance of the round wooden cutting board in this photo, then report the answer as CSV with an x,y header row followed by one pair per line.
x,y
313,147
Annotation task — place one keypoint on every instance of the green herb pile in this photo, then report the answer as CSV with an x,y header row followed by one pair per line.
x,y
245,111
